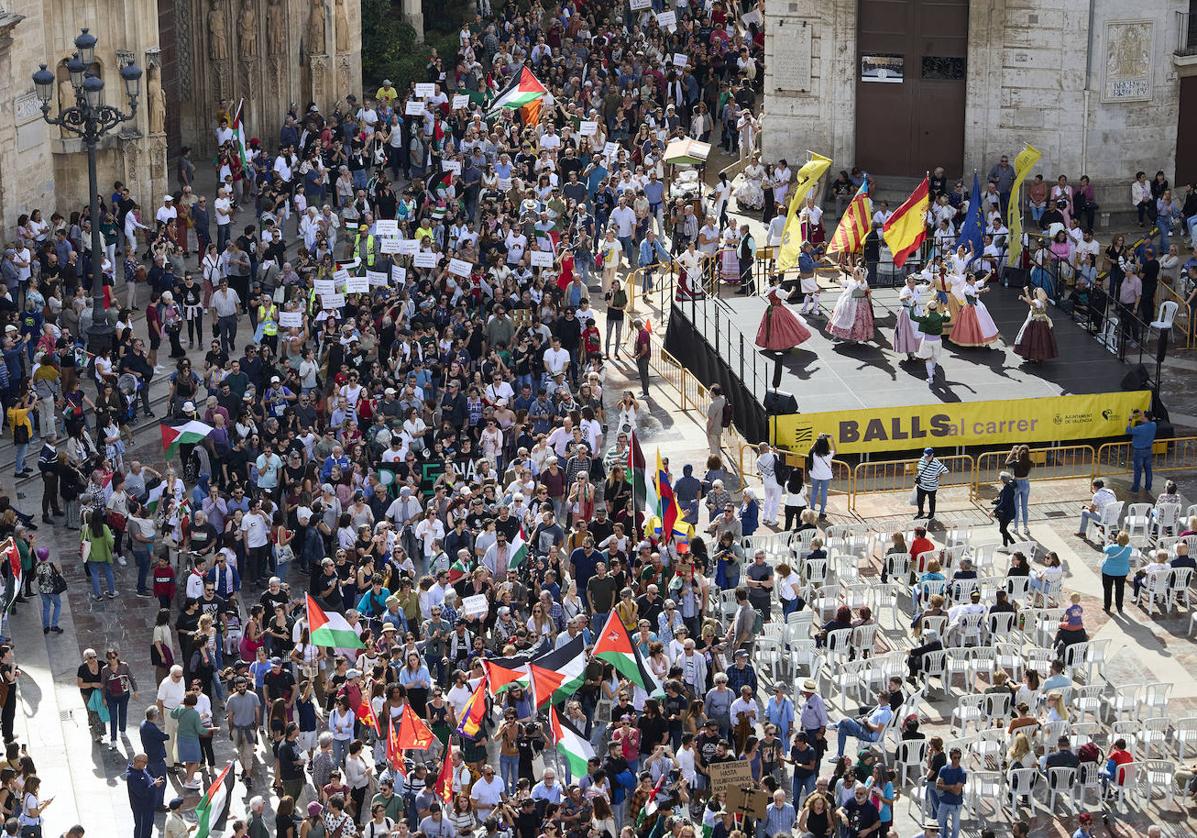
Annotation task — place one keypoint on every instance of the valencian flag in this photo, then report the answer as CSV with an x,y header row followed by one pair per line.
x,y
570,743
907,227
414,734
331,630
556,675
615,647
188,433
502,673
791,234
213,807
473,712
855,224
523,90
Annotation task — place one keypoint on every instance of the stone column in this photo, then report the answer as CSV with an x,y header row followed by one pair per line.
x,y
413,13
8,124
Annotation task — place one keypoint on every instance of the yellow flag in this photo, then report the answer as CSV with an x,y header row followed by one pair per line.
x,y
1024,161
791,236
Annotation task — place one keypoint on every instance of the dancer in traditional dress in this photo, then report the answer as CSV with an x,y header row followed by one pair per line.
x,y
780,328
809,286
729,257
1036,339
931,328
811,218
953,281
906,335
975,326
852,317
750,195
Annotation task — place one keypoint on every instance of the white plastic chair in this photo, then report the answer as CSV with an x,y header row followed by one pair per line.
x,y
1088,779
997,706
885,598
1001,625
969,709
1154,701
864,639
982,661
958,664
1179,581
1111,513
1074,657
1126,783
1060,781
983,561
910,756
1125,700
836,646
1087,700
1138,520
1095,661
1158,775
897,566
1085,732
989,746
1128,730
1165,516
1154,734
934,665
1019,588
984,785
1165,316
1155,591
1009,658
935,622
1020,782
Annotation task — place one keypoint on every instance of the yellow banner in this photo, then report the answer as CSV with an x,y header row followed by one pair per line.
x,y
989,423
1024,161
791,235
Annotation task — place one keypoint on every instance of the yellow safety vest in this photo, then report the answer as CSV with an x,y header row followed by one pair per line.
x,y
368,256
268,317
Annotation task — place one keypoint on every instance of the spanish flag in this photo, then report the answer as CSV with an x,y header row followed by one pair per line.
x,y
855,225
907,227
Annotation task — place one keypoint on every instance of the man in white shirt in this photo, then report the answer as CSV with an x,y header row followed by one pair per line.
x,y
223,207
551,141
1102,497
255,530
623,219
777,226
167,212
487,793
170,695
556,359
744,707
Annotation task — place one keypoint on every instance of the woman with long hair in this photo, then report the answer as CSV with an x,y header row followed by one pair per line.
x,y
119,685
819,472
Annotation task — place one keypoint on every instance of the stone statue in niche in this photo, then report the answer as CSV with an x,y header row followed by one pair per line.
x,y
157,104
276,28
316,28
247,26
342,27
218,32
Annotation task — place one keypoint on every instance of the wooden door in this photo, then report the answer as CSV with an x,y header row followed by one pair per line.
x,y
1186,134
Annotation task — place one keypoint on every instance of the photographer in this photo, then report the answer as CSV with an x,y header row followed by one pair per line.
x,y
1142,429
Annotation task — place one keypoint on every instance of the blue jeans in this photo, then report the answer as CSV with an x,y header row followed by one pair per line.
x,y
118,714
1142,463
949,812
96,569
51,607
851,727
509,770
141,555
818,494
1191,223
1022,494
22,448
802,787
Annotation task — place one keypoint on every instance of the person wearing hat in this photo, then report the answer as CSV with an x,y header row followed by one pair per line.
x,y
926,482
814,721
365,248
143,795
168,212
175,826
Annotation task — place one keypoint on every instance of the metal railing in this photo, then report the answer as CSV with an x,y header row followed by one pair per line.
x,y
1179,454
1186,33
1066,462
884,476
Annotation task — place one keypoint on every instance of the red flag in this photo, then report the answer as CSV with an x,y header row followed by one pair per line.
x,y
444,780
365,714
413,732
394,752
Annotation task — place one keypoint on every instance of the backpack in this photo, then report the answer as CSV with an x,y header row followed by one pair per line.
x,y
726,419
1089,753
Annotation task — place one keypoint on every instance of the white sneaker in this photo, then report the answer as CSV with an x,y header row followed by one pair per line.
x,y
122,561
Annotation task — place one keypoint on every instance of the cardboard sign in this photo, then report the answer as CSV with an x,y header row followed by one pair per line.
x,y
540,259
386,227
376,278
409,247
398,275
414,108
388,244
477,606
357,285
680,59
746,800
325,286
460,267
426,259
333,301
291,319
341,276
425,89
726,776
667,20
460,100
639,5
453,166
587,128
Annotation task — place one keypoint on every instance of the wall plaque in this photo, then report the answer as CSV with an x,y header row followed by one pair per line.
x,y
1127,66
792,53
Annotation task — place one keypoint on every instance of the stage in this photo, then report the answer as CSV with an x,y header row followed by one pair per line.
x,y
872,399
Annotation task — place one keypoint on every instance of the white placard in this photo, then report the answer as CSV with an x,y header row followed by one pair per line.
x,y
386,227
452,166
667,20
540,258
751,17
637,5
587,128
333,301
460,267
414,108
475,606
409,247
376,277
426,259
357,285
611,150
398,275
680,59
504,184
388,244
341,276
460,100
325,286
291,319
425,89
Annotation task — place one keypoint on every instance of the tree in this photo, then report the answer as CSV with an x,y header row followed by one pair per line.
x,y
389,47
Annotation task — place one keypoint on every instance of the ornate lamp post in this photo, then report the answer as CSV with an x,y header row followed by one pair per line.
x,y
90,119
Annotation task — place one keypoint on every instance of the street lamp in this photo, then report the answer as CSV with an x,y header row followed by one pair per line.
x,y
90,119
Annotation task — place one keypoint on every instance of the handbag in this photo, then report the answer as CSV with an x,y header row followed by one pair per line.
x,y
913,500
164,660
58,584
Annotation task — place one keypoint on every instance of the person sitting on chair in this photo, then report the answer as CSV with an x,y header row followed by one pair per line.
x,y
914,660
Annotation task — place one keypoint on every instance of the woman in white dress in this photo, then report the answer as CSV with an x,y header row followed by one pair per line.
x,y
629,412
750,194
746,125
975,326
906,333
722,193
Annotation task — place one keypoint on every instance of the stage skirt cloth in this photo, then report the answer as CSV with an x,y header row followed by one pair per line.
x,y
780,329
906,335
1036,340
862,323
930,348
968,330
729,266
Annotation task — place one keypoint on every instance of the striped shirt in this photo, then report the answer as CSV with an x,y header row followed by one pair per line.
x,y
928,473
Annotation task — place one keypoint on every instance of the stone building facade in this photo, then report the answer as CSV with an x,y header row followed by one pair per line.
x,y
898,87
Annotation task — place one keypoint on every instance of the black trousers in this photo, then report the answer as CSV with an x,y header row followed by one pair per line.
x,y
1003,524
924,495
1112,587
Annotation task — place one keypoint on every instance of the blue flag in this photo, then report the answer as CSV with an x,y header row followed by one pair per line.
x,y
974,222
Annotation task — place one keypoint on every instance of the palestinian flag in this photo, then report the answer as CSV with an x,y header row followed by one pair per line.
x,y
444,780
473,713
667,508
644,497
330,630
650,805
238,126
615,647
458,570
365,714
570,743
439,183
501,673
188,433
213,807
556,675
523,89
12,556
519,550
414,734
155,496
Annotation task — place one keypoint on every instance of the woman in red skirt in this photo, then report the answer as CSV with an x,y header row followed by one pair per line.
x,y
780,328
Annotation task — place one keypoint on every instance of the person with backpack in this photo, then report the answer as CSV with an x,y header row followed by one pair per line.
x,y
50,585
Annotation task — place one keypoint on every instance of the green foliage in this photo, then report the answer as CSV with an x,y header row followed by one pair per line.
x,y
389,48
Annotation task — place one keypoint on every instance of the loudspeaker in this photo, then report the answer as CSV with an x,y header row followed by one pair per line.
x,y
779,403
1136,378
1161,347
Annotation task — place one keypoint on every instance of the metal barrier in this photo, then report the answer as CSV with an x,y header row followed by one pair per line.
x,y
1177,454
898,476
1068,462
1183,323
